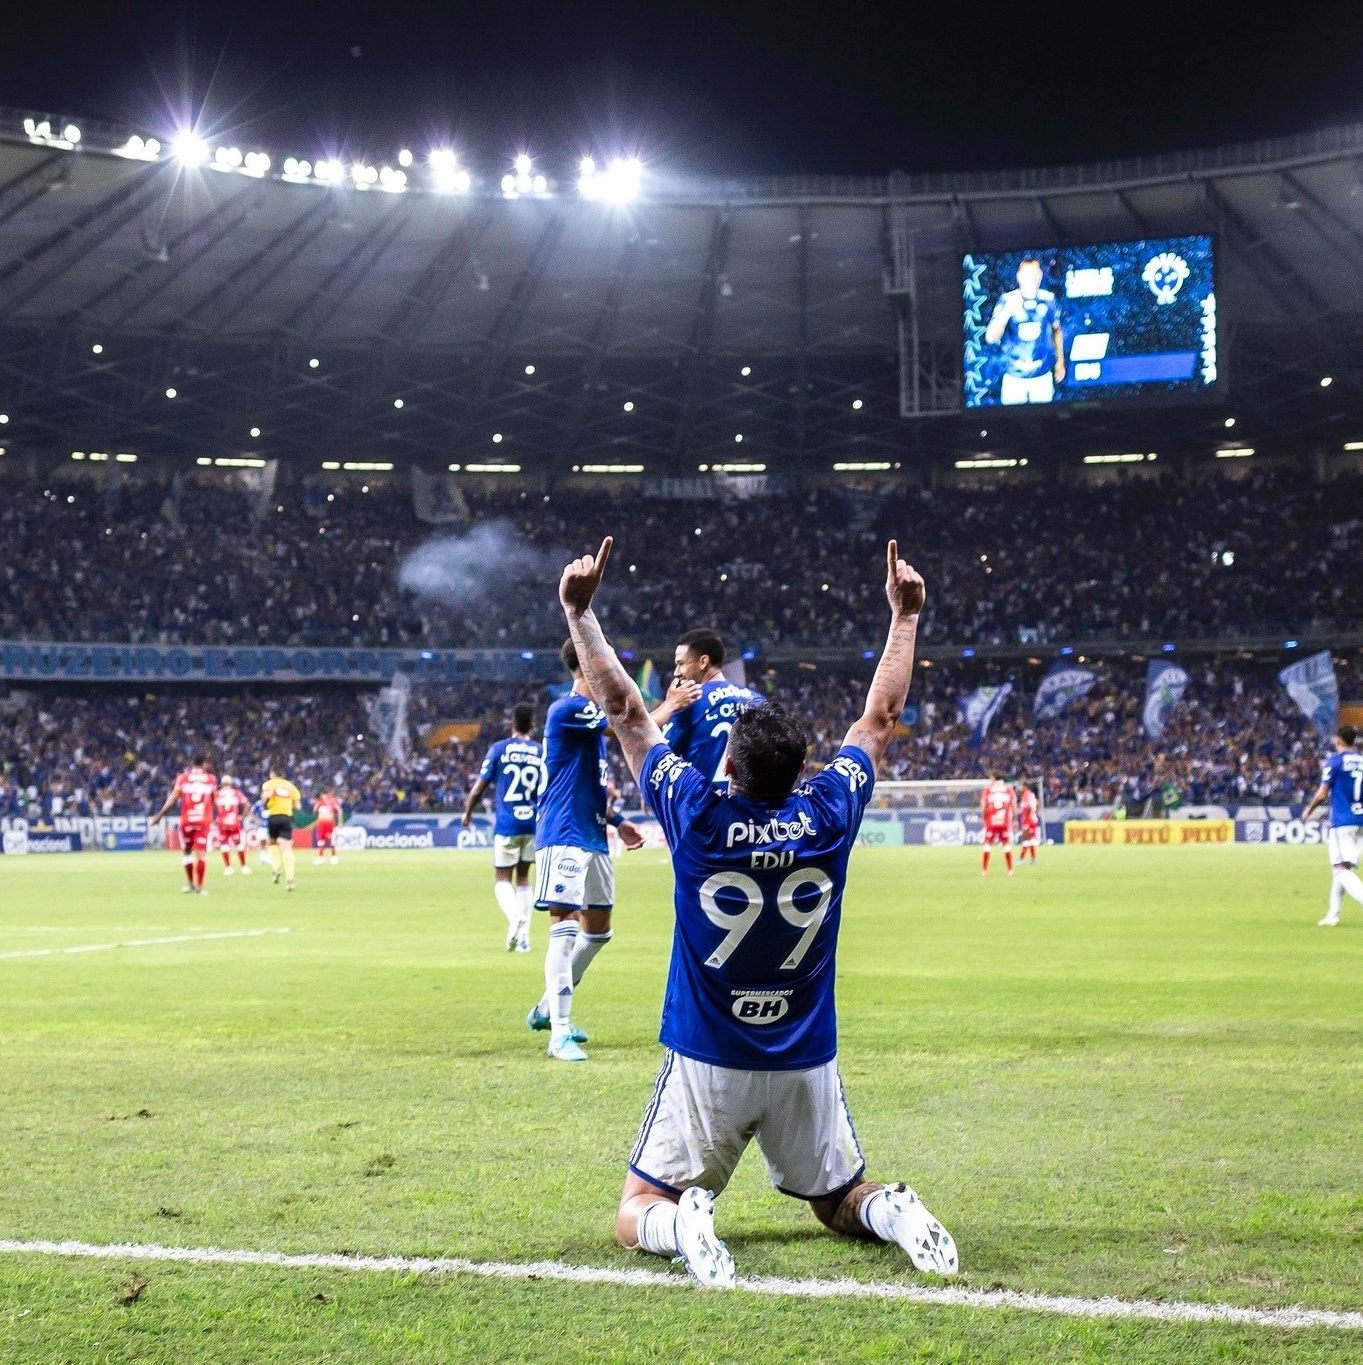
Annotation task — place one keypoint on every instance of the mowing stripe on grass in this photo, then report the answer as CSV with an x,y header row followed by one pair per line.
x,y
1063,1305
141,943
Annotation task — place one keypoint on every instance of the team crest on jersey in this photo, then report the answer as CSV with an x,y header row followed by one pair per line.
x,y
1165,274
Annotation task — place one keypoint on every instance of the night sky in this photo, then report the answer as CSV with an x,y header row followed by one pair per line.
x,y
721,86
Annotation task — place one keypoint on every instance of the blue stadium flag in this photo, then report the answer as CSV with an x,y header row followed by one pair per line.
x,y
1312,685
1061,687
1164,687
978,709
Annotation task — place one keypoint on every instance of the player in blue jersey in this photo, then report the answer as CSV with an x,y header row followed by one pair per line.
x,y
699,733
575,880
514,768
1341,784
749,1024
1027,323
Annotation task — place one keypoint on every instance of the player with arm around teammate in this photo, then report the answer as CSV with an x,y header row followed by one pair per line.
x,y
699,732
514,769
1341,785
749,1023
193,789
575,879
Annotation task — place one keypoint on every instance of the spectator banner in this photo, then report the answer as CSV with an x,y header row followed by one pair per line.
x,y
1060,688
1312,685
1161,833
1164,687
27,661
978,709
436,499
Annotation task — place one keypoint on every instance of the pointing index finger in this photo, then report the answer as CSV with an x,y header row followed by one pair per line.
x,y
604,554
892,555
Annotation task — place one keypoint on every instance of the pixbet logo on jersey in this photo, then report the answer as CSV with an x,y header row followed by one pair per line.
x,y
773,831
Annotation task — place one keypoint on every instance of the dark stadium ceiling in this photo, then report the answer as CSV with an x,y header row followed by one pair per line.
x,y
438,322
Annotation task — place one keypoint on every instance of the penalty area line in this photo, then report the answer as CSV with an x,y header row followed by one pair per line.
x,y
944,1296
142,943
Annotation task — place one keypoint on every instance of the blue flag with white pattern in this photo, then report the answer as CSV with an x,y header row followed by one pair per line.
x,y
1164,687
1312,685
1065,684
978,709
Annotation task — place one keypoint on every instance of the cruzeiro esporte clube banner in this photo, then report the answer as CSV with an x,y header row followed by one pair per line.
x,y
1078,323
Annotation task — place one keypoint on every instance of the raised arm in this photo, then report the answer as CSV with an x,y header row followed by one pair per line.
x,y
890,687
613,690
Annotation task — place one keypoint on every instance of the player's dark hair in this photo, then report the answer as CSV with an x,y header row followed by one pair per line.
x,y
523,718
1348,734
569,656
767,748
704,640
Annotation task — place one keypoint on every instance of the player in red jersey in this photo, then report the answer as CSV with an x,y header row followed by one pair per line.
x,y
997,806
1029,823
328,808
230,807
194,790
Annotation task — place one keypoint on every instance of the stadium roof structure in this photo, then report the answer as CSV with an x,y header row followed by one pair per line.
x,y
775,320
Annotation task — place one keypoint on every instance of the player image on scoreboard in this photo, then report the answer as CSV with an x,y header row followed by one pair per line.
x,y
1079,323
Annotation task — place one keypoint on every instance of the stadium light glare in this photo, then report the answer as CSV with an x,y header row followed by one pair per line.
x,y
1167,647
96,349
1291,644
255,431
4,419
1067,649
227,158
329,464
738,438
496,438
313,363
539,185
404,158
77,454
746,371
189,149
856,405
1131,458
612,469
172,393
366,466
71,133
127,457
1326,381
395,182
493,468
1228,423
865,466
204,459
397,402
139,148
523,164
586,167
257,164
1353,445
736,469
989,463
1235,453
329,172
530,369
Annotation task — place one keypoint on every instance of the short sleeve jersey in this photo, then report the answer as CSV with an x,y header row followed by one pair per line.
x,y
572,808
1343,774
328,810
700,733
196,796
1028,350
1027,809
515,768
280,796
758,904
230,806
997,806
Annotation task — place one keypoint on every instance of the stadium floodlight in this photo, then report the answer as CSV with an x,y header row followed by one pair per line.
x,y
71,133
189,149
628,406
331,464
496,438
856,405
509,185
738,438
4,419
1353,445
530,369
446,175
1325,381
397,402
172,393
746,371
127,457
227,158
139,148
363,175
204,459
493,468
1235,452
296,168
330,171
257,164
395,182
612,469
539,185
624,177
97,349
362,466
875,466
313,363
404,158
523,164
255,431
737,469
1229,422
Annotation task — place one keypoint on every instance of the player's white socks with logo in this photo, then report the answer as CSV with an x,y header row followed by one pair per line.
x,y
558,977
657,1231
506,900
588,945
525,904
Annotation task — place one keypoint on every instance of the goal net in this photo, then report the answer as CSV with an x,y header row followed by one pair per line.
x,y
943,813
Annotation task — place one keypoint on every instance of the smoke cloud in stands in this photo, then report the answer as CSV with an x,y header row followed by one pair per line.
x,y
458,569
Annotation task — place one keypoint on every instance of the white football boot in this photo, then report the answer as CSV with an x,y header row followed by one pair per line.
x,y
931,1247
703,1254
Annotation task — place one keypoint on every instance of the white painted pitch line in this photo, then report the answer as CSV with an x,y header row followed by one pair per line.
x,y
945,1296
142,943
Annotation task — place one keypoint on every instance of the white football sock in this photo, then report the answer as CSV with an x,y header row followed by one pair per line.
x,y
657,1228
506,900
875,1217
588,945
1349,880
1336,898
525,904
558,977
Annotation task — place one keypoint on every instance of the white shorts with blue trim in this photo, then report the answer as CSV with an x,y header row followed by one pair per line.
x,y
702,1117
1346,844
510,850
574,878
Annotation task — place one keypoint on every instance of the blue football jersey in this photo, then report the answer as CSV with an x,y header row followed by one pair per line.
x,y
572,807
758,903
700,733
1343,774
1028,350
515,767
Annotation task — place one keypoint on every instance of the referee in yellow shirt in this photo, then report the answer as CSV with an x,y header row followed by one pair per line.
x,y
280,798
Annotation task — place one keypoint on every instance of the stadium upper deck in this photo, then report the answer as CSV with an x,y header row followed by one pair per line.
x,y
439,321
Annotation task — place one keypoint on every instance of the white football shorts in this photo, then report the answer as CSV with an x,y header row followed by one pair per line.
x,y
1345,843
702,1117
1015,389
510,850
575,878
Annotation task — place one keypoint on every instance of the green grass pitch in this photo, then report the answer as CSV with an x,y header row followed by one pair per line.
x,y
1132,1072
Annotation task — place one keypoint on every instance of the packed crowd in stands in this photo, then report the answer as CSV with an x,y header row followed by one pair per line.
x,y
1235,738
1037,563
